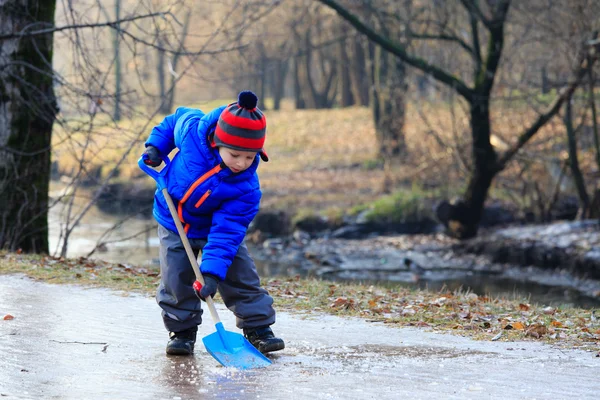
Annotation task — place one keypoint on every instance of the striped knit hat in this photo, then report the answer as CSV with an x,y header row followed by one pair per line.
x,y
242,126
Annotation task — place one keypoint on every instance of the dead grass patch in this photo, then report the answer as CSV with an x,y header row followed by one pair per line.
x,y
328,158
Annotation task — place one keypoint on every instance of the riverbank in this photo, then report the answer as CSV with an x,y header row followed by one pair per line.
x,y
558,262
551,263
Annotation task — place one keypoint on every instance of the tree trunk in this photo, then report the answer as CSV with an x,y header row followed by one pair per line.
x,y
595,205
574,160
278,82
161,76
313,99
389,88
346,95
298,94
117,49
358,73
263,78
373,67
27,112
168,105
462,218
324,95
591,85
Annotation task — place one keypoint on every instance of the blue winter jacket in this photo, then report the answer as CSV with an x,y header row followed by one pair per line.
x,y
213,203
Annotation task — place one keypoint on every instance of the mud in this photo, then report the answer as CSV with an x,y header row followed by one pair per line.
x,y
68,342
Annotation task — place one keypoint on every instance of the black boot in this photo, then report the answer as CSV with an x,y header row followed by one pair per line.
x,y
263,339
182,343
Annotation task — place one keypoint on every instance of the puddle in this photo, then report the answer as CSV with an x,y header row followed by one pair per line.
x,y
67,342
370,351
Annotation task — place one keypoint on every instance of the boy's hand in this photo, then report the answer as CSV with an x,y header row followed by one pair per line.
x,y
209,288
154,159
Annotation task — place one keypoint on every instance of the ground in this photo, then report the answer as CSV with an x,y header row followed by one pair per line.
x,y
72,342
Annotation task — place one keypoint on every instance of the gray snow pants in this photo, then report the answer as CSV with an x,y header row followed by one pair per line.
x,y
241,291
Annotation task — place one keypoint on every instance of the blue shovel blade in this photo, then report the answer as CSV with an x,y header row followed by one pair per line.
x,y
233,350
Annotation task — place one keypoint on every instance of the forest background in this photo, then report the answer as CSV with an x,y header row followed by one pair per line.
x,y
396,111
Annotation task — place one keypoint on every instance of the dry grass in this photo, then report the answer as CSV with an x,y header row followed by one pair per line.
x,y
327,158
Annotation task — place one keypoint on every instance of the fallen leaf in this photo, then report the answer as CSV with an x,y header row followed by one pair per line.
x,y
343,303
557,324
332,289
498,336
8,317
514,325
524,307
536,331
518,326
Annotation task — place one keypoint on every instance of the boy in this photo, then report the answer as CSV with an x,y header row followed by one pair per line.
x,y
215,188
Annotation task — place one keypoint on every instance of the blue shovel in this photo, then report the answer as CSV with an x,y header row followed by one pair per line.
x,y
228,348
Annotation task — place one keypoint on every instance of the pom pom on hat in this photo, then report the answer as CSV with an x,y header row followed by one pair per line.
x,y
242,126
247,100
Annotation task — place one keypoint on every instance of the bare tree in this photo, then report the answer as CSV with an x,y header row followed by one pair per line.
x,y
95,145
462,218
389,84
164,63
172,46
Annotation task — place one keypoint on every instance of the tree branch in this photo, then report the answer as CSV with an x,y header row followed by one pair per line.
x,y
398,50
485,80
543,118
475,11
445,37
203,51
587,61
476,44
112,24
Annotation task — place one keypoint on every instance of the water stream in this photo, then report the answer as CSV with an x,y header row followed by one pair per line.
x,y
134,242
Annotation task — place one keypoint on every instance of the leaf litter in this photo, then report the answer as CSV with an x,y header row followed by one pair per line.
x,y
461,312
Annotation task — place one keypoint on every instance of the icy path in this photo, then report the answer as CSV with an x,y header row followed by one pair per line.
x,y
68,342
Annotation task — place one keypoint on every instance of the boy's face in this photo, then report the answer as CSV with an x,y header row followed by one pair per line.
x,y
236,160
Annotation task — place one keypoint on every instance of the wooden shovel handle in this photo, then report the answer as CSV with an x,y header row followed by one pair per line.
x,y
190,253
